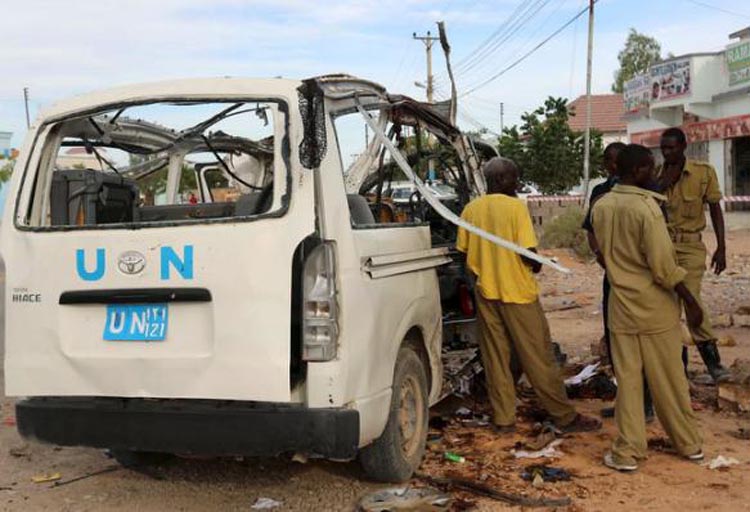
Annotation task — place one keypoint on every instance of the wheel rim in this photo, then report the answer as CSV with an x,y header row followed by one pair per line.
x,y
410,415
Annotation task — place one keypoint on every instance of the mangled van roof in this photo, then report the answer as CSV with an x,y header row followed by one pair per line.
x,y
208,88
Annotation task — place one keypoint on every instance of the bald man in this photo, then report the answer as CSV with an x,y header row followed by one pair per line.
x,y
507,295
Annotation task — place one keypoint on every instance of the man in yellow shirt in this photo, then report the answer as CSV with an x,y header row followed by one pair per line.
x,y
688,185
644,313
507,294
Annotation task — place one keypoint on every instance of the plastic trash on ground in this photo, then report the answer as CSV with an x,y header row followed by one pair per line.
x,y
405,498
722,462
266,504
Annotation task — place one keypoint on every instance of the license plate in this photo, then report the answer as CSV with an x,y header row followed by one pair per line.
x,y
136,322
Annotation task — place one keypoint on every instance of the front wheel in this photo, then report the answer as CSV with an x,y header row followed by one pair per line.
x,y
397,453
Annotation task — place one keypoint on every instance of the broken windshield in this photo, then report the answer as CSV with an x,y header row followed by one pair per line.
x,y
166,162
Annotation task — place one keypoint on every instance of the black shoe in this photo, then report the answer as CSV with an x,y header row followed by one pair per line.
x,y
710,354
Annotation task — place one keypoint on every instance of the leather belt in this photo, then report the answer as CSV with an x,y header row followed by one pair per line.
x,y
685,237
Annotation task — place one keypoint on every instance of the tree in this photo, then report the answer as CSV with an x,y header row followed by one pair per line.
x,y
6,169
639,53
548,152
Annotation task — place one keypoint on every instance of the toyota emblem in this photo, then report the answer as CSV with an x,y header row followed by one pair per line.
x,y
131,262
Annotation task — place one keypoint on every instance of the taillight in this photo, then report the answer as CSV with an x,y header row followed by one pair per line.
x,y
465,301
319,308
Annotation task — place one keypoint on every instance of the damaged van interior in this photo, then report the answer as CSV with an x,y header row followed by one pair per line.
x,y
162,163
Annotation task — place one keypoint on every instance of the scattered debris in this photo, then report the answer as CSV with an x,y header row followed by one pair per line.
x,y
20,451
545,433
722,462
460,369
537,482
561,305
727,341
585,374
547,452
266,504
40,479
405,498
660,444
734,394
742,433
301,458
454,457
484,490
546,473
89,475
591,382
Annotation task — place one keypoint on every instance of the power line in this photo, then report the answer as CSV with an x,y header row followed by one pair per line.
x,y
529,53
530,40
492,36
515,21
529,15
720,9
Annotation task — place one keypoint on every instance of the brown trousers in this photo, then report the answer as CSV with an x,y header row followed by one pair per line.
x,y
658,357
692,257
504,327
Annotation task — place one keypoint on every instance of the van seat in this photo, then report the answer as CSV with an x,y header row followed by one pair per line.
x,y
246,204
359,210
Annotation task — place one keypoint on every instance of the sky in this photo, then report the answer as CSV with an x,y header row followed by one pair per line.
x,y
58,49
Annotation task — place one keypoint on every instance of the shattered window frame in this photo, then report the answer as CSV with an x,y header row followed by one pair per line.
x,y
32,197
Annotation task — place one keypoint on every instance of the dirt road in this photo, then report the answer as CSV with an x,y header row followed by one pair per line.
x,y
664,483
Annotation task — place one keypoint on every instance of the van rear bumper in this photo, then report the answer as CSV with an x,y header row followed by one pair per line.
x,y
194,427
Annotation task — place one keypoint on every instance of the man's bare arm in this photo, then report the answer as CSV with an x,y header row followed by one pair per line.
x,y
719,259
535,266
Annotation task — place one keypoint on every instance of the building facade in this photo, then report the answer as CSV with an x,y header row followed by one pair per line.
x,y
708,96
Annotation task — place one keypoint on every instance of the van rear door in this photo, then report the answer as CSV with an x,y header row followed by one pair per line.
x,y
121,282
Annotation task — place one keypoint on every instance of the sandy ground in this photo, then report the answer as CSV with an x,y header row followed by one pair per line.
x,y
663,483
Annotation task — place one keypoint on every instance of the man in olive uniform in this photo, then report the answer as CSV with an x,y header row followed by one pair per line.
x,y
644,313
688,185
510,316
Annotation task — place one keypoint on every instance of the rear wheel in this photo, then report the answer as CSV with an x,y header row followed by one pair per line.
x,y
397,453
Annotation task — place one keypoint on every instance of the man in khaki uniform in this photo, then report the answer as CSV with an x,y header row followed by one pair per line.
x,y
688,185
510,316
644,313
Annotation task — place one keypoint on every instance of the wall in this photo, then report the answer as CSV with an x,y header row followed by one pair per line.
x,y
545,209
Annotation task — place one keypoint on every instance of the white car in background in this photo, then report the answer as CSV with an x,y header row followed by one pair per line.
x,y
402,191
527,190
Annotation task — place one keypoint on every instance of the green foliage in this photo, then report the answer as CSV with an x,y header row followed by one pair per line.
x,y
564,231
639,53
548,151
6,170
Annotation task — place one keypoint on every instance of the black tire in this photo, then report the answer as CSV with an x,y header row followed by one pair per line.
x,y
135,460
398,452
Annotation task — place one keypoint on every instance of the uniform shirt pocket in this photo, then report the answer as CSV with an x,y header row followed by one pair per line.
x,y
692,206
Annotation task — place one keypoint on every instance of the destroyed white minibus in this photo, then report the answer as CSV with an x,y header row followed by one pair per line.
x,y
211,267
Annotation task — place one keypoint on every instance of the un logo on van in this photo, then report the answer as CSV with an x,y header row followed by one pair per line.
x,y
131,262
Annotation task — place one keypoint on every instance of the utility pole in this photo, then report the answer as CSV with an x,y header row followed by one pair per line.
x,y
502,115
428,41
587,133
26,104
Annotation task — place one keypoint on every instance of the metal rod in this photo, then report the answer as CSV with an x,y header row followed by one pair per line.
x,y
26,104
587,133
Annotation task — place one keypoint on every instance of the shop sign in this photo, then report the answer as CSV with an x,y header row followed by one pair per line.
x,y
670,79
636,92
717,129
738,63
